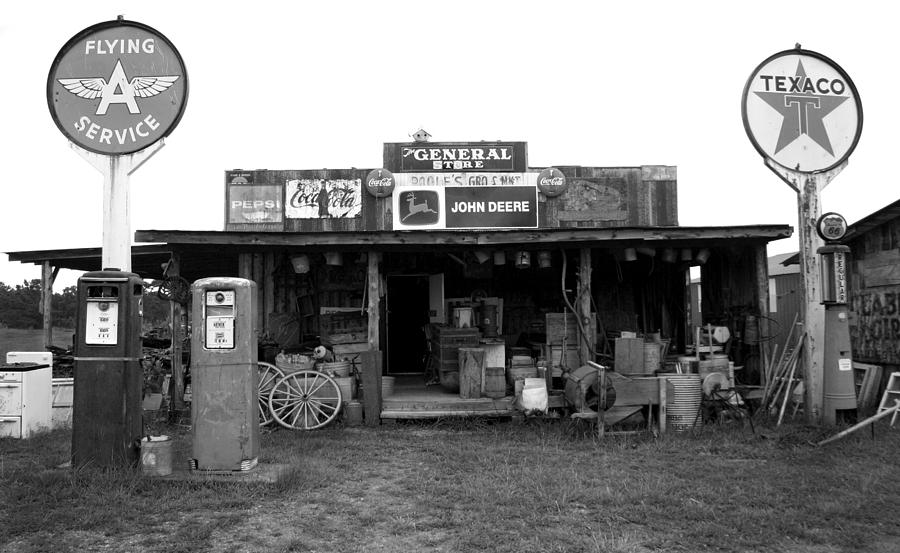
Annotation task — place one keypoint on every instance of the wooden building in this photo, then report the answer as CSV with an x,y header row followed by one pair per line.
x,y
874,283
371,261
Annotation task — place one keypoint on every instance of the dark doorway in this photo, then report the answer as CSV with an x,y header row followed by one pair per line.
x,y
407,315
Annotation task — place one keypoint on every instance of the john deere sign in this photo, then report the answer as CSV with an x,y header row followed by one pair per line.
x,y
117,87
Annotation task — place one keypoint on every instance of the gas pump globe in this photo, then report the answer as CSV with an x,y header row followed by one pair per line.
x,y
840,392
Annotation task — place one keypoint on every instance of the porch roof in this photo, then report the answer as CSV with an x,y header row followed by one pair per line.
x,y
674,236
214,252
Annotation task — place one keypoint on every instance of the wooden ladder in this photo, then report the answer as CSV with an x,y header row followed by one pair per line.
x,y
891,396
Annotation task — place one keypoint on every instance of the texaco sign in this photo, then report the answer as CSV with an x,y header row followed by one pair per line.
x,y
802,111
117,87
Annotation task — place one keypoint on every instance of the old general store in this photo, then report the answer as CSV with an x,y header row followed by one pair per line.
x,y
453,245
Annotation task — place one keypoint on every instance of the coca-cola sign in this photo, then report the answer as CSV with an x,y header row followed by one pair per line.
x,y
380,183
551,182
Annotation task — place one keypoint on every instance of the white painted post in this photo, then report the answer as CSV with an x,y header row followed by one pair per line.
x,y
808,187
116,171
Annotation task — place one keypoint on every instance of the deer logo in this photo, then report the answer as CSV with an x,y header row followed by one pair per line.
x,y
425,215
416,208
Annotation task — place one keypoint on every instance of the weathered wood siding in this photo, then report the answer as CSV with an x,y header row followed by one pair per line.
x,y
875,295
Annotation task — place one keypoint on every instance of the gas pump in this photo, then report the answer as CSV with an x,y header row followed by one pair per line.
x,y
839,388
224,375
106,403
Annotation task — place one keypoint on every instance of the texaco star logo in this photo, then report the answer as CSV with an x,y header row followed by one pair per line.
x,y
118,90
802,111
803,107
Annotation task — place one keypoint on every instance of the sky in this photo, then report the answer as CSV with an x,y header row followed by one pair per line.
x,y
311,85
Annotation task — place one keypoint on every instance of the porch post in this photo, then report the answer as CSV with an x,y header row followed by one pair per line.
x,y
176,385
48,276
586,343
762,302
372,359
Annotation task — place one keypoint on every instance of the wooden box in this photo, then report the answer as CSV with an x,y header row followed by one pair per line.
x,y
562,327
629,358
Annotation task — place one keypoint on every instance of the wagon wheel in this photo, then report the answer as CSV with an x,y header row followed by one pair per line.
x,y
268,375
175,289
305,400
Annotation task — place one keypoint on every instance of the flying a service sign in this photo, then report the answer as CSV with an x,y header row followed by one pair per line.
x,y
117,87
802,111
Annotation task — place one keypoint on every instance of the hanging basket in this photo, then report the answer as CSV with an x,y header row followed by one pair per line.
x,y
175,289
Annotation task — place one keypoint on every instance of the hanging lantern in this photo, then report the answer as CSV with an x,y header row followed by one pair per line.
x,y
300,263
630,254
702,256
499,257
544,259
523,260
334,258
686,254
482,256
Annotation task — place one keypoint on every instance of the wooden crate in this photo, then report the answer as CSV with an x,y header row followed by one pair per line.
x,y
564,327
629,357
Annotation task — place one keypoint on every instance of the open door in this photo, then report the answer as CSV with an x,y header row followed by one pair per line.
x,y
408,311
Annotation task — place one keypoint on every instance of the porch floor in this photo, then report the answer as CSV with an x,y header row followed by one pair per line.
x,y
412,399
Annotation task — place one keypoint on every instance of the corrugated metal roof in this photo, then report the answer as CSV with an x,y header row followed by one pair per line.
x,y
784,264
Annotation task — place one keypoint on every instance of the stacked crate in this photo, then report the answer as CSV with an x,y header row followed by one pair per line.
x,y
445,344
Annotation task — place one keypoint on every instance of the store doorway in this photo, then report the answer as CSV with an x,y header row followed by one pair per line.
x,y
407,315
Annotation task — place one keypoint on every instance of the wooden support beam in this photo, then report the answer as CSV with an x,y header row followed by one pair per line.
x,y
762,302
371,382
373,289
176,314
586,343
48,275
267,282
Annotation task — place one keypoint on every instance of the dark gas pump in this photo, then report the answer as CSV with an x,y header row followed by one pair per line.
x,y
106,403
839,388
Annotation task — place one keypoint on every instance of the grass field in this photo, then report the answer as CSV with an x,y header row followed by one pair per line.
x,y
16,339
475,486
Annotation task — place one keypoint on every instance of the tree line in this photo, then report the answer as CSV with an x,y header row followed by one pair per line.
x,y
20,306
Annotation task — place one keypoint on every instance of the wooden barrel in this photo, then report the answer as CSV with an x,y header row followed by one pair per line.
x,y
495,382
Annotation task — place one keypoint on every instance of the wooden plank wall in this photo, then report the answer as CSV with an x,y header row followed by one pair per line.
x,y
874,281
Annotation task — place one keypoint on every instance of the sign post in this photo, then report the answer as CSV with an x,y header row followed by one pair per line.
x,y
116,90
803,114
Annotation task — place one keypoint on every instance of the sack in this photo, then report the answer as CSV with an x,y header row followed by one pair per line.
x,y
534,395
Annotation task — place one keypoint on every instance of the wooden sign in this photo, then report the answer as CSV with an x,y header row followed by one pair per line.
x,y
455,156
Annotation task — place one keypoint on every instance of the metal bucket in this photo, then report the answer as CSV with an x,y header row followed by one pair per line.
x,y
156,456
684,401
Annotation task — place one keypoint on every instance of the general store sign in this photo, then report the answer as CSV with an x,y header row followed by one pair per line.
x,y
465,201
117,87
802,111
455,156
